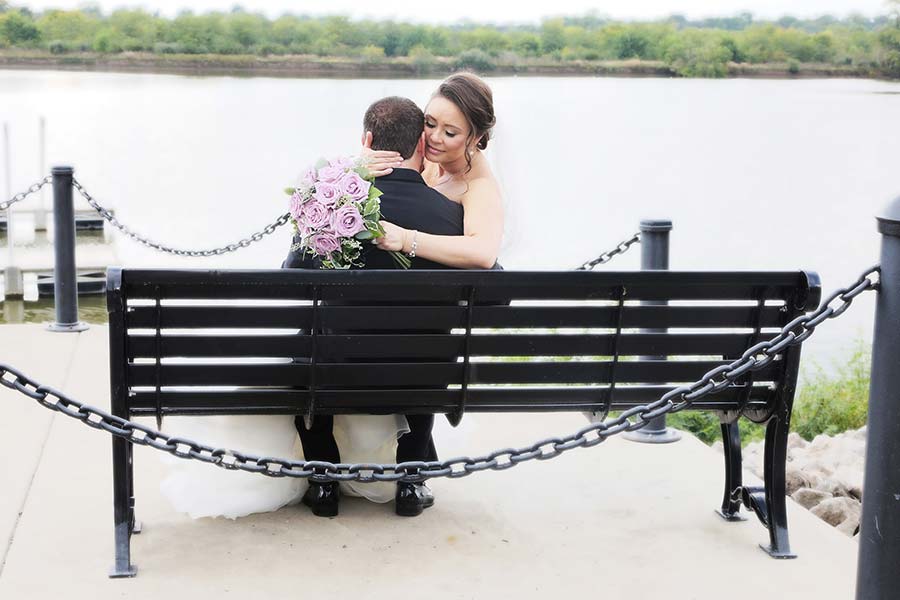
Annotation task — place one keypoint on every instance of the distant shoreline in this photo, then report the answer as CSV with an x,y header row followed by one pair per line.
x,y
304,66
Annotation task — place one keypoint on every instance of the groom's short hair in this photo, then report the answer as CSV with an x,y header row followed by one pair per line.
x,y
396,124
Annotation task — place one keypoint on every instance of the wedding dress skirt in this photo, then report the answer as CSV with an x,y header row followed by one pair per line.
x,y
203,490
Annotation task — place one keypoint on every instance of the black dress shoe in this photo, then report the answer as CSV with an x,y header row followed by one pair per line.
x,y
412,499
323,498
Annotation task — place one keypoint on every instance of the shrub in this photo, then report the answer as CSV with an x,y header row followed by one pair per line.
x,y
372,54
834,403
167,48
269,49
107,42
697,54
475,59
793,67
828,404
57,47
422,59
707,428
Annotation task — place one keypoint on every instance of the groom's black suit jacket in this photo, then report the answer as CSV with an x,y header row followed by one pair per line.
x,y
408,202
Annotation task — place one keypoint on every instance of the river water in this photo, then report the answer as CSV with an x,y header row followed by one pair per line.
x,y
755,174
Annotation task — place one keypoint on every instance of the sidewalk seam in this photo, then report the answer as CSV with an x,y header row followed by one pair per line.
x,y
37,465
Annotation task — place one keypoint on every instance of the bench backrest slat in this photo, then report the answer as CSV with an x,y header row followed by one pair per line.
x,y
448,317
392,375
389,401
378,347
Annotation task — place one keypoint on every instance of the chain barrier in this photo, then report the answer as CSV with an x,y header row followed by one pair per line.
x,y
36,187
754,358
621,248
106,214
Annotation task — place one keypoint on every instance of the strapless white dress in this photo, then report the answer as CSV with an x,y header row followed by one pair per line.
x,y
203,490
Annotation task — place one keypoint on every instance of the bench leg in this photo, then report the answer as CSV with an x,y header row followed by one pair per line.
x,y
122,508
731,501
135,524
776,503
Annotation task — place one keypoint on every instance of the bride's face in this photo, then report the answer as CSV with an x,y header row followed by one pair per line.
x,y
446,131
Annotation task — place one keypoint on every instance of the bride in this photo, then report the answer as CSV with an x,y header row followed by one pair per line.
x,y
459,118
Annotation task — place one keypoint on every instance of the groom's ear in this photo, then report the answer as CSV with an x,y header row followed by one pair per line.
x,y
420,147
367,139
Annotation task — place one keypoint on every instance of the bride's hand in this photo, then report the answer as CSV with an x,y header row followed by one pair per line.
x,y
379,162
394,237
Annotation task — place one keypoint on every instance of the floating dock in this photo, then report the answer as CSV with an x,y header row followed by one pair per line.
x,y
85,220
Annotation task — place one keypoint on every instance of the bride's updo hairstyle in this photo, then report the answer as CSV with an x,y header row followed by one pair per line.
x,y
475,100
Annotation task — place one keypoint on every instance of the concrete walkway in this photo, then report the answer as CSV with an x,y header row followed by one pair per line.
x,y
621,520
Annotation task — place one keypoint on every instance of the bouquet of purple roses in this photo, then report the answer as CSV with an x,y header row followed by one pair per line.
x,y
335,209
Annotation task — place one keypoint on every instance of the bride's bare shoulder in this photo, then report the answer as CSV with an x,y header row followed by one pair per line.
x,y
483,188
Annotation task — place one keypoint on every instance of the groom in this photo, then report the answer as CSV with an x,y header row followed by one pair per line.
x,y
395,124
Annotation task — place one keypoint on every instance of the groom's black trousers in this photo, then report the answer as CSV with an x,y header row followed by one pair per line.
x,y
318,441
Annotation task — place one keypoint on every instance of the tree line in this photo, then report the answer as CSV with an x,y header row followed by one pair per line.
x,y
691,48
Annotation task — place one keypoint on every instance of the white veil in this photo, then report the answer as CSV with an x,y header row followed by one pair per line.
x,y
501,165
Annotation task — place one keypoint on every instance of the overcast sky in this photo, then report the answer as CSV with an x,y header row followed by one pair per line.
x,y
450,11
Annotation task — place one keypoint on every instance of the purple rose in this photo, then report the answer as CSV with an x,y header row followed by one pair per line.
x,y
327,193
330,174
324,243
347,221
315,215
355,186
297,202
309,178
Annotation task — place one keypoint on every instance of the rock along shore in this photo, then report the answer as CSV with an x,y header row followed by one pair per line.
x,y
824,476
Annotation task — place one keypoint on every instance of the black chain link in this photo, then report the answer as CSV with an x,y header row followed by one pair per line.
x,y
22,195
106,214
754,358
621,248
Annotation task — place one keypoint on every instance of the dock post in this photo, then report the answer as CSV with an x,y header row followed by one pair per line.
x,y
654,257
64,274
879,537
12,276
40,213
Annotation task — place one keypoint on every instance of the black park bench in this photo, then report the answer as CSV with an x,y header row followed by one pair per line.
x,y
452,342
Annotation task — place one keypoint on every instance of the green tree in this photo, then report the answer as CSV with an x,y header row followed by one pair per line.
x,y
17,28
245,30
889,39
196,34
484,38
73,27
138,29
553,36
525,43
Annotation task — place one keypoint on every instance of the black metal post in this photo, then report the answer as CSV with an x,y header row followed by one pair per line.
x,y
64,274
878,576
654,257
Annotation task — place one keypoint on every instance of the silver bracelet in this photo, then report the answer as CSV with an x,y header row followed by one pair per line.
x,y
412,248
